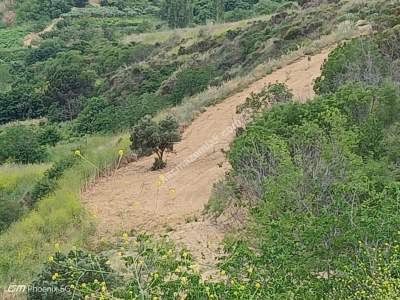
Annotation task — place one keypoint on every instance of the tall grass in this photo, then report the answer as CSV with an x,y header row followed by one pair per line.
x,y
59,218
12,176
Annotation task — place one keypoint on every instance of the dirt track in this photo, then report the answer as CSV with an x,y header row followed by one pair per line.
x,y
136,198
30,38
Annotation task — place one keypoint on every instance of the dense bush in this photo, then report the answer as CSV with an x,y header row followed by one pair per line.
x,y
49,134
36,10
20,102
317,181
149,137
191,81
98,115
68,85
358,60
47,49
21,144
77,274
277,93
48,183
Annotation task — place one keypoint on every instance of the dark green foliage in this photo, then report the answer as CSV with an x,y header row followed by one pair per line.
x,y
21,144
317,180
48,183
42,9
178,13
149,137
191,81
20,102
49,134
97,116
47,49
358,60
68,83
62,273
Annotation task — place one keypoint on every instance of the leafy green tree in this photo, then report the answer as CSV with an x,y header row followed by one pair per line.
x,y
191,81
21,144
178,13
359,60
49,134
68,85
277,93
97,116
47,49
149,137
20,103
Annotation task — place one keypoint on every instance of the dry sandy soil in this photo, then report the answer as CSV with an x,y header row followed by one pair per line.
x,y
139,199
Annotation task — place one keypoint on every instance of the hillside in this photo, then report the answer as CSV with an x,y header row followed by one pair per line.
x,y
203,149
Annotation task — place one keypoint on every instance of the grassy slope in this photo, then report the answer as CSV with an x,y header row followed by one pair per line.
x,y
59,218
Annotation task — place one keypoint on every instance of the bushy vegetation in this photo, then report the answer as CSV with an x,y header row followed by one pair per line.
x,y
320,180
21,144
77,274
149,137
152,269
60,216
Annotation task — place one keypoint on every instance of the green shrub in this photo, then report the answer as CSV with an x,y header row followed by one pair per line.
x,y
49,134
191,81
47,49
149,137
21,144
77,274
98,115
68,85
21,102
314,191
48,183
358,60
277,93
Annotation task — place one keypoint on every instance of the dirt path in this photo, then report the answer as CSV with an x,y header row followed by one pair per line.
x,y
34,36
136,198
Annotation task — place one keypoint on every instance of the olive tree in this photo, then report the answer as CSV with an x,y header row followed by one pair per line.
x,y
150,137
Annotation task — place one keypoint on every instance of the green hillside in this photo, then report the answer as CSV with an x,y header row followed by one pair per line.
x,y
317,180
